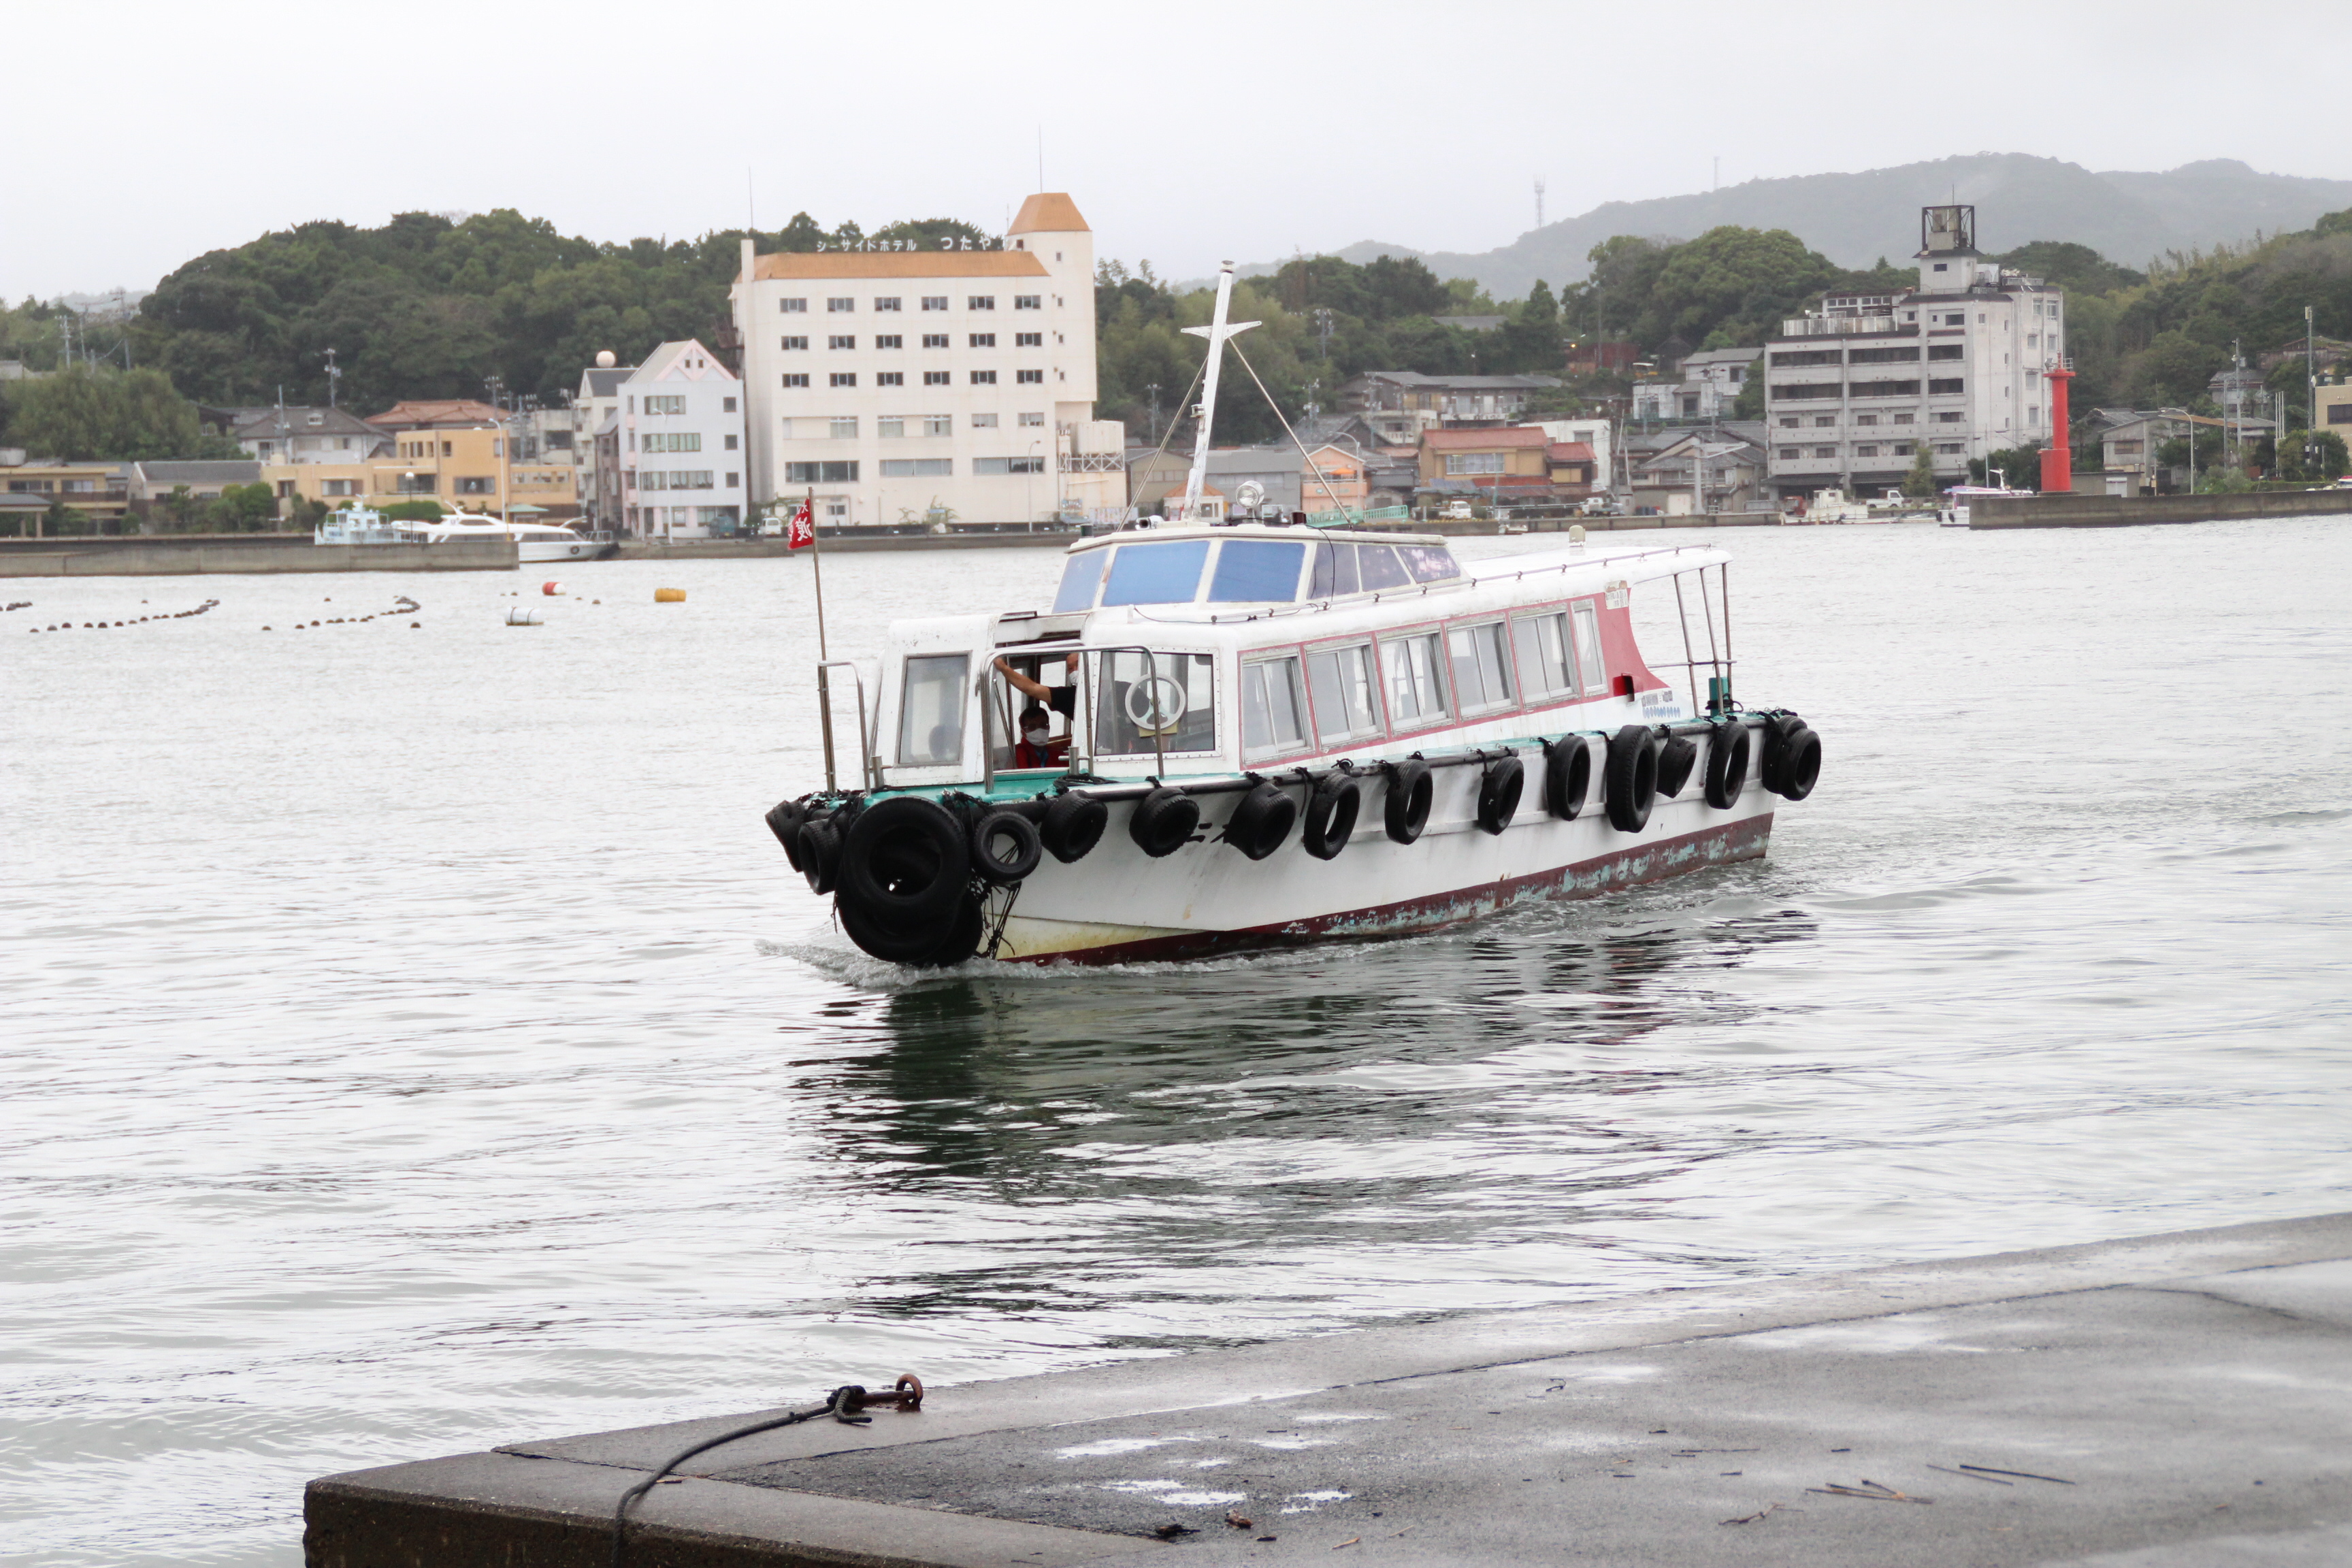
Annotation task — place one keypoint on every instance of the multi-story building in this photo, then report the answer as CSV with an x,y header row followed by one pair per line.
x,y
270,434
893,382
681,446
1956,365
1710,383
465,468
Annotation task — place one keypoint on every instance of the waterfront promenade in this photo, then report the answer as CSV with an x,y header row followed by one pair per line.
x,y
2170,1401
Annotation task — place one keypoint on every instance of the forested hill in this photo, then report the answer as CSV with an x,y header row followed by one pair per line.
x,y
425,307
1854,218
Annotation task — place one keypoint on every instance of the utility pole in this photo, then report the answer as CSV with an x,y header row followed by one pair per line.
x,y
1153,388
334,378
1540,193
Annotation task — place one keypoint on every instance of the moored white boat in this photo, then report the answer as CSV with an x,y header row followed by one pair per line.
x,y
1221,736
534,542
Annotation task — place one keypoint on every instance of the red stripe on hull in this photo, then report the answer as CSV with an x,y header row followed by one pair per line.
x,y
1654,862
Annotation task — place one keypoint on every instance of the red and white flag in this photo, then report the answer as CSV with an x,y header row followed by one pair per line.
x,y
802,531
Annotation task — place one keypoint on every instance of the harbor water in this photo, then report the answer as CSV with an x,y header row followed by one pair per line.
x,y
415,1041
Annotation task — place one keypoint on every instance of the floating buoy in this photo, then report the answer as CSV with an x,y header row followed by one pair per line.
x,y
519,616
551,590
669,596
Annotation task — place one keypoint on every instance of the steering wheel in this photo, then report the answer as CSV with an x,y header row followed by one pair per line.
x,y
1157,712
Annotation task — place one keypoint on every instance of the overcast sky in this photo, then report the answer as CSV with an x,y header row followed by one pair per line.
x,y
146,134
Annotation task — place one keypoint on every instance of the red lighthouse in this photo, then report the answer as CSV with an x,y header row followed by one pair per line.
x,y
2058,458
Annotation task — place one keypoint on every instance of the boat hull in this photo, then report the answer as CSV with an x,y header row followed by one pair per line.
x,y
1118,906
535,552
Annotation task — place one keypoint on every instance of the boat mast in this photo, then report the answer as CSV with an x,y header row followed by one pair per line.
x,y
1216,332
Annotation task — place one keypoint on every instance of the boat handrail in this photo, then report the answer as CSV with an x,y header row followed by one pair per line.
x,y
868,767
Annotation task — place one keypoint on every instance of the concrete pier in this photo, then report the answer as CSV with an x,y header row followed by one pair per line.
x,y
259,555
2173,1401
2138,511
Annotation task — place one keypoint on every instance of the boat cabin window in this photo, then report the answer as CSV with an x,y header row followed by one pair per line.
x,y
1257,571
1344,568
1428,563
1381,567
1547,658
1346,699
1138,711
1416,690
1168,573
1274,708
1081,575
930,711
1588,648
1482,668
1334,571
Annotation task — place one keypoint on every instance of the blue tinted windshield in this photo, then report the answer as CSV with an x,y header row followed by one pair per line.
x,y
1257,571
1080,574
1156,574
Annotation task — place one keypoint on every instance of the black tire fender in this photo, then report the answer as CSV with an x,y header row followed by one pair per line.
x,y
1261,823
887,940
1801,766
1163,821
906,861
1500,785
1631,777
1568,775
784,820
1412,791
820,854
1331,813
1005,848
962,939
1676,757
1729,748
1072,825
1771,768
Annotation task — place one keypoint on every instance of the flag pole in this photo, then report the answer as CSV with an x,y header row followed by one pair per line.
x,y
823,656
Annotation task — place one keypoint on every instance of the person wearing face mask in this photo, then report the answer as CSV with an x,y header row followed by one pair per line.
x,y
1034,750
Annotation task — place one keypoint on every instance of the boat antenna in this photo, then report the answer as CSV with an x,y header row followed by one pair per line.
x,y
1218,330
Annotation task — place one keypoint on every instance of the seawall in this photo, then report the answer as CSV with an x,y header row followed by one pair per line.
x,y
262,555
2132,511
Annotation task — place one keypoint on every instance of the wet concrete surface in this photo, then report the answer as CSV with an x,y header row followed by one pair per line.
x,y
1997,1411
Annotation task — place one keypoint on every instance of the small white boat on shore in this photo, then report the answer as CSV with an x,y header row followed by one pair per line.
x,y
1955,511
534,542
1220,736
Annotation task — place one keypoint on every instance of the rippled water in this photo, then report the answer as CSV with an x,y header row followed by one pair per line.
x,y
417,1042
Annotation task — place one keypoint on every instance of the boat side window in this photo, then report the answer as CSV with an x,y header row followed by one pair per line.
x,y
1166,574
1179,707
930,711
1256,571
1546,661
1416,690
1274,708
1429,563
1334,571
1482,669
1381,567
1347,702
1588,648
1081,575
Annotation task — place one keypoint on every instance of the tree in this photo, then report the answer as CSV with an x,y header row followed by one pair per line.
x,y
1920,482
2019,468
81,414
414,512
244,509
2172,371
2077,268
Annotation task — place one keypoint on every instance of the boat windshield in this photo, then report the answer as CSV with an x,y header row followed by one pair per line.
x,y
1143,705
1344,568
1168,573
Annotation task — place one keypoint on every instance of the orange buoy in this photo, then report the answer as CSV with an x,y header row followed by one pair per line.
x,y
669,596
550,590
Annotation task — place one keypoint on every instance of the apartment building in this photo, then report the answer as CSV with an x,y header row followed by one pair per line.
x,y
1956,363
681,447
1710,383
893,382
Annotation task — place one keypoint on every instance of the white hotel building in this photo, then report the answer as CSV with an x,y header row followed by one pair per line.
x,y
1956,365
893,381
679,417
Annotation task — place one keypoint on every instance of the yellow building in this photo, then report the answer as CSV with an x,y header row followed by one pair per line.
x,y
465,470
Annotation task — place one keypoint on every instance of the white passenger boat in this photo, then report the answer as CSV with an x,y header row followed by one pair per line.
x,y
1259,734
534,542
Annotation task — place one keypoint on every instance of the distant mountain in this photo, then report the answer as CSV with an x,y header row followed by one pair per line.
x,y
1855,218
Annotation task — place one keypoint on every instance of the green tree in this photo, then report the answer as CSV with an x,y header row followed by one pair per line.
x,y
81,414
244,509
2077,268
2172,371
2019,468
414,512
1920,481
